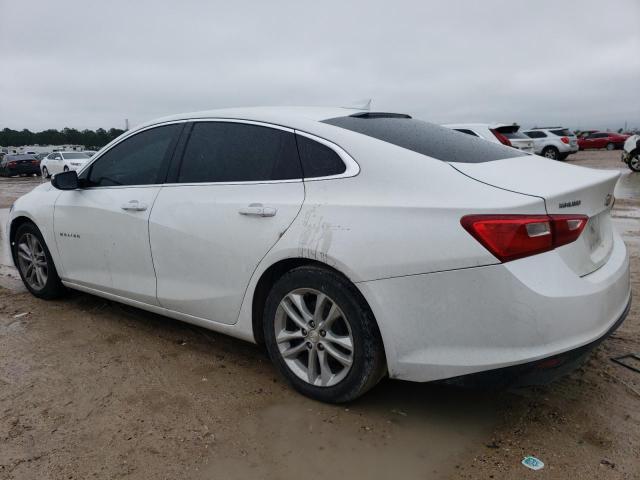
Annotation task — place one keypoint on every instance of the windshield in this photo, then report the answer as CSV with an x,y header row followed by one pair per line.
x,y
75,156
426,138
515,135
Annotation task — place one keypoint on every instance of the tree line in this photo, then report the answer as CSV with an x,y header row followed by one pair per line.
x,y
93,139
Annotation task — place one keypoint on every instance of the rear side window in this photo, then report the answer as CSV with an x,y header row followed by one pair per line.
x,y
426,138
318,160
238,152
563,132
137,160
515,135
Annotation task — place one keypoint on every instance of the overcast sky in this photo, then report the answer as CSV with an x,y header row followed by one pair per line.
x,y
90,64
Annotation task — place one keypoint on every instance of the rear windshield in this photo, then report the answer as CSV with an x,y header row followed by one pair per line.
x,y
563,132
426,138
76,155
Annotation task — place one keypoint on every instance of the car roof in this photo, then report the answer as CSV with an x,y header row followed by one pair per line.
x,y
283,116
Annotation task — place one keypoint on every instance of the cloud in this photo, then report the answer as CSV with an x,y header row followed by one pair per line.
x,y
92,64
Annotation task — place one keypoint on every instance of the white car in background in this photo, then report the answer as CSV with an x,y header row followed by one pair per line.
x,y
631,152
58,162
353,244
556,143
497,133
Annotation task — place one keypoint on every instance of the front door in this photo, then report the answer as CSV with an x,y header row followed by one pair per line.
x,y
237,191
102,230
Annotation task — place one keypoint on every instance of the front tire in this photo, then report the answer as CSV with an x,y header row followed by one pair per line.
x,y
321,335
65,169
634,162
45,172
33,259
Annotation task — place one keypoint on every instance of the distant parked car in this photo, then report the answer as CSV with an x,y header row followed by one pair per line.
x,y
553,142
40,156
57,162
497,133
22,164
631,152
608,140
91,153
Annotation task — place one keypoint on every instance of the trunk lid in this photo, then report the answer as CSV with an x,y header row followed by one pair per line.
x,y
565,189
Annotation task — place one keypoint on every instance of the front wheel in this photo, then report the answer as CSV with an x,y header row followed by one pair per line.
x,y
45,172
321,335
33,259
634,162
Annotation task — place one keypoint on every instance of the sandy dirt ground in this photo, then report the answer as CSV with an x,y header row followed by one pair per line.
x,y
93,389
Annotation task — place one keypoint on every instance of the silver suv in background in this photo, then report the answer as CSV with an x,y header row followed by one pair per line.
x,y
553,142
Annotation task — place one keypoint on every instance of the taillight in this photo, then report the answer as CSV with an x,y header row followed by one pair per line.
x,y
509,237
565,140
501,138
12,164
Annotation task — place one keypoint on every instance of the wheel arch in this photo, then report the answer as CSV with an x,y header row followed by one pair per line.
x,y
270,276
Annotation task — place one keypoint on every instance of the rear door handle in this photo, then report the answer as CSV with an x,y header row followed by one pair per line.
x,y
134,206
258,210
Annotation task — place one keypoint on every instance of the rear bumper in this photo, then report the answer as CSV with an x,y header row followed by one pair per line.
x,y
26,170
448,324
539,372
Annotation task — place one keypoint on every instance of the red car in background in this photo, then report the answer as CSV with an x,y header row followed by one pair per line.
x,y
608,140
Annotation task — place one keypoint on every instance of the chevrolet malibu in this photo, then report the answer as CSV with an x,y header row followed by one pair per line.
x,y
352,244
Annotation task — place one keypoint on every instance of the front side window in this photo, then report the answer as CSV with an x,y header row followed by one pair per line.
x,y
75,156
238,152
137,160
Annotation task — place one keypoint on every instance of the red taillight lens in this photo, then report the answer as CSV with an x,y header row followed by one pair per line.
x,y
509,237
12,164
565,140
501,138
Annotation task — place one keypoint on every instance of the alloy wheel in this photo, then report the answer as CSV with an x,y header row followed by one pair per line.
x,y
634,163
32,261
314,337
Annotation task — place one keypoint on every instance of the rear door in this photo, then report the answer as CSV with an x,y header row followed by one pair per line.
x,y
234,193
102,230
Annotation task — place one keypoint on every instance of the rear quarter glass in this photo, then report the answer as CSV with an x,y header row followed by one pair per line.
x,y
426,138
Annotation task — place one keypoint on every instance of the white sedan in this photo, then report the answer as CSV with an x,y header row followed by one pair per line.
x,y
58,162
353,244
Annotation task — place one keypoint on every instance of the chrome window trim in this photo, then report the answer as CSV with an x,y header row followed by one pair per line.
x,y
352,167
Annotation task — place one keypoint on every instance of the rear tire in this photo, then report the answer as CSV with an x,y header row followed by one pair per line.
x,y
610,146
34,262
634,162
65,169
334,364
551,152
45,172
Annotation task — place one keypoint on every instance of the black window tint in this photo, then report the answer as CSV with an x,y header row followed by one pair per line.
x,y
237,152
426,138
464,130
534,134
318,160
138,160
563,132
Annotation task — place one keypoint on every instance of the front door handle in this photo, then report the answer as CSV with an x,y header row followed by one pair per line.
x,y
258,210
134,206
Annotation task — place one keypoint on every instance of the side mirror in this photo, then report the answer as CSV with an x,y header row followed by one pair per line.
x,y
66,180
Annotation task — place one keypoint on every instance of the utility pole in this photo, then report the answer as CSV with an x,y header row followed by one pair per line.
x,y
126,124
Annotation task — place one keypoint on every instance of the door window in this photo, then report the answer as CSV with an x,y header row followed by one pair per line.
x,y
139,160
238,152
318,160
